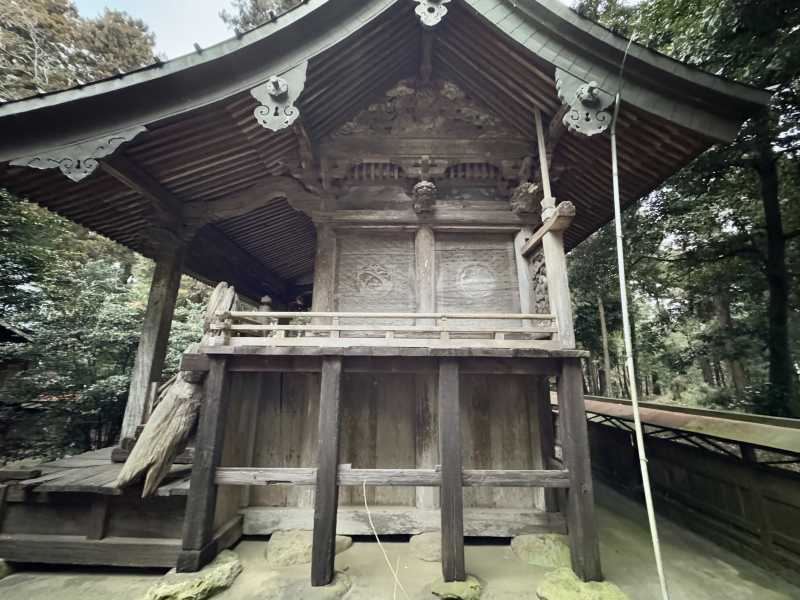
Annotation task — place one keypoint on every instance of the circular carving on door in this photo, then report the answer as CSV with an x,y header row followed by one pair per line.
x,y
374,281
476,281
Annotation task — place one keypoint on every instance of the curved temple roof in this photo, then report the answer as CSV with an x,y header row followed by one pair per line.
x,y
182,134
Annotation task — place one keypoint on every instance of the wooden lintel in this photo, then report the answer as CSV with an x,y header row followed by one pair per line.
x,y
559,221
263,193
167,209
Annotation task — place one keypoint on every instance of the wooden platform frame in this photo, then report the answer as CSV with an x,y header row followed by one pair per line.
x,y
199,546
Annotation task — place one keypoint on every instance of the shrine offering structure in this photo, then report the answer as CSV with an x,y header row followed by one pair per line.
x,y
392,185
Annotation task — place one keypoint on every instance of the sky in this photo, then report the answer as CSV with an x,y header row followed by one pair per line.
x,y
178,24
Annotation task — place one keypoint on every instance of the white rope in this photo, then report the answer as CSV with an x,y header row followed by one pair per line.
x,y
377,539
626,333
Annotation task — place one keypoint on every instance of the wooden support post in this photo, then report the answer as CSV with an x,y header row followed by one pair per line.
x,y
543,436
581,523
155,333
427,450
452,501
98,517
326,499
201,504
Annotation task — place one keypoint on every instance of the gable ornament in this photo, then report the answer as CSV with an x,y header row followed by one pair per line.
x,y
276,97
77,161
431,12
589,106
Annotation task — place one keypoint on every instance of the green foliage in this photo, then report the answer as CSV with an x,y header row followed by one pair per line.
x,y
249,14
45,45
704,259
81,296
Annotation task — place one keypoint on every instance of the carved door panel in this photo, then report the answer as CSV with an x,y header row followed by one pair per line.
x,y
476,273
375,273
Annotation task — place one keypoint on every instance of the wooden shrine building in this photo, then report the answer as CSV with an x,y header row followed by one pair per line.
x,y
411,171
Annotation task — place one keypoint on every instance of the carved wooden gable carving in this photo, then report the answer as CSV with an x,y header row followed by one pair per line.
x,y
435,109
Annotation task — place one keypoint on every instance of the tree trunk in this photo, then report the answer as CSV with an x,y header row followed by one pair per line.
x,y
722,307
708,373
782,398
606,358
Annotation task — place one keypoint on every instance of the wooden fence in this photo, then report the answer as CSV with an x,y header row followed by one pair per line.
x,y
744,497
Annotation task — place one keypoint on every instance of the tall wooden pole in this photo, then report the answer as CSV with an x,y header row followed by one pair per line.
x,y
152,349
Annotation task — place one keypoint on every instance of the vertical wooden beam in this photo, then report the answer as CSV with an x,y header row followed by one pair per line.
x,y
543,436
324,269
558,286
524,278
98,517
581,523
201,503
327,491
152,348
427,450
452,500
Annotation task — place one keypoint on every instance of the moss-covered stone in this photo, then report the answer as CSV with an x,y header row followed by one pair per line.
x,y
427,546
563,584
287,548
548,550
283,587
218,575
458,590
5,569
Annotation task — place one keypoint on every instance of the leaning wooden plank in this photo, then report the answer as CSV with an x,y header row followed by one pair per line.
x,y
581,523
451,497
202,500
165,435
327,492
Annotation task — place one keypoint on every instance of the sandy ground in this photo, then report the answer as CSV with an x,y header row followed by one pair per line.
x,y
697,570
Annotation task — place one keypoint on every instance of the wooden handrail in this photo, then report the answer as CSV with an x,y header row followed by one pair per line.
x,y
388,315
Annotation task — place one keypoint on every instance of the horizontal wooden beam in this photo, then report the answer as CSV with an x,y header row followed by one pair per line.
x,y
404,520
392,477
263,193
559,221
167,209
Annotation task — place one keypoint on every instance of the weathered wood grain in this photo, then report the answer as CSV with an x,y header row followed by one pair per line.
x,y
202,499
405,520
327,493
581,522
451,499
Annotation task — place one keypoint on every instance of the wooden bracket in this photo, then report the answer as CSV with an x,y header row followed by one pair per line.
x,y
559,221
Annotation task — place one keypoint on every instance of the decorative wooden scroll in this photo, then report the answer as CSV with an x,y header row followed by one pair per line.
x,y
431,12
77,161
588,105
277,96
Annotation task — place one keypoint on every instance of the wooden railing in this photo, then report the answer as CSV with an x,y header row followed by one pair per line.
x,y
401,329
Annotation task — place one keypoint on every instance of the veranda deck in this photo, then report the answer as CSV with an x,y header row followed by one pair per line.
x,y
70,512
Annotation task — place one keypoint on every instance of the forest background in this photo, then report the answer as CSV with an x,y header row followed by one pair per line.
x,y
713,256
